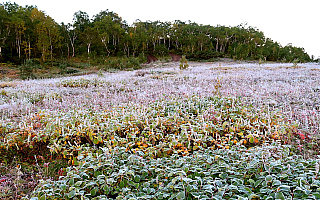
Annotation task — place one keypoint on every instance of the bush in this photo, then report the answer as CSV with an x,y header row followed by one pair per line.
x,y
203,55
267,172
123,63
183,63
27,69
82,83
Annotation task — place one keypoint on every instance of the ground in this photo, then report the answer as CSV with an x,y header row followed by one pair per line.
x,y
28,107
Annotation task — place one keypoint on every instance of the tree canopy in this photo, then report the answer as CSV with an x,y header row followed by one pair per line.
x,y
29,33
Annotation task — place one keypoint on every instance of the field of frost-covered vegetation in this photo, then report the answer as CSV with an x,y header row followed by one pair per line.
x,y
212,131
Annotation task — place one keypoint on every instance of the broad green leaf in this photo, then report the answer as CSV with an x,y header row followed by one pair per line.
x,y
99,139
106,189
223,176
258,182
137,178
251,181
251,140
181,195
317,195
122,184
279,195
93,192
95,141
78,183
253,197
284,188
43,197
71,194
268,178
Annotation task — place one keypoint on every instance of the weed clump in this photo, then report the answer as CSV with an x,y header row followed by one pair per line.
x,y
183,63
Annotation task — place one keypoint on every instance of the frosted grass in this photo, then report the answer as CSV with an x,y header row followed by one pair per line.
x,y
293,90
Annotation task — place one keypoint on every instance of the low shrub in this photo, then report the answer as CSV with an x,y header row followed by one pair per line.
x,y
123,63
27,69
267,172
84,83
183,63
160,129
206,55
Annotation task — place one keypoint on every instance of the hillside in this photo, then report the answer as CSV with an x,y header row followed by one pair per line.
x,y
212,131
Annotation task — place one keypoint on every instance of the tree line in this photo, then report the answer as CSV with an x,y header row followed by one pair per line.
x,y
29,33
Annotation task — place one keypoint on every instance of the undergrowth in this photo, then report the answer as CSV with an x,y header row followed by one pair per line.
x,y
146,136
267,172
134,152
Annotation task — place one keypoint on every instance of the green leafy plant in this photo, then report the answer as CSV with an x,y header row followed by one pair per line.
x,y
123,63
263,172
82,83
27,69
183,63
295,62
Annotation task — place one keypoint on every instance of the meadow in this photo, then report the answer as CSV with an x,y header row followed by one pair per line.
x,y
220,130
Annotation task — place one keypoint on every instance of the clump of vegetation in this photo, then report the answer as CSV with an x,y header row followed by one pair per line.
x,y
8,84
186,135
27,69
205,55
183,63
264,172
123,63
295,62
82,83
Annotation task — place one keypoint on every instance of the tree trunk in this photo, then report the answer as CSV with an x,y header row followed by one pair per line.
x,y
43,53
103,40
19,50
68,50
29,50
51,55
51,50
74,37
72,50
217,45
88,45
19,46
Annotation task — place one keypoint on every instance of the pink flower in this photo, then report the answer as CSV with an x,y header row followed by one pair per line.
x,y
46,165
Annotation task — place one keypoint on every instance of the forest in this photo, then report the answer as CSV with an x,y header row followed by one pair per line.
x,y
27,33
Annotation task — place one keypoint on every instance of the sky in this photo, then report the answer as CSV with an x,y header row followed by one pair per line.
x,y
284,21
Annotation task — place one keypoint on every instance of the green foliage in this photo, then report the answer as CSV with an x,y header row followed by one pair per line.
x,y
82,83
180,148
206,55
242,51
27,69
295,62
263,172
123,63
186,126
28,33
183,63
